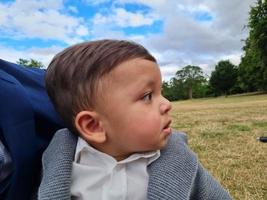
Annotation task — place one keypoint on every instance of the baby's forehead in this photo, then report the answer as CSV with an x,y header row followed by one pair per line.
x,y
132,65
139,71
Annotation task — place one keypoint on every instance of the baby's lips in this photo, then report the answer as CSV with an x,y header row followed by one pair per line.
x,y
168,124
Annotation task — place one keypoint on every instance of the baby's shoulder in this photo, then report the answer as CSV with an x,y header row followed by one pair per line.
x,y
178,136
177,150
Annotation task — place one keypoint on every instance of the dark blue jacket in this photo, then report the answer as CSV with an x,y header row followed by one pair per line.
x,y
27,124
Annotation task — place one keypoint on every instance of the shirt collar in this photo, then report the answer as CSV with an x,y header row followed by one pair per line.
x,y
83,148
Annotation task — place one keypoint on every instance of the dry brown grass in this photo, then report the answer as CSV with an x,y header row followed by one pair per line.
x,y
223,132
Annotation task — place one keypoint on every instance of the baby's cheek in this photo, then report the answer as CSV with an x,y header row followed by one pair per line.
x,y
148,123
151,124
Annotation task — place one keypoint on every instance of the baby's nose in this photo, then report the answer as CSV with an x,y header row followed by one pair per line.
x,y
165,106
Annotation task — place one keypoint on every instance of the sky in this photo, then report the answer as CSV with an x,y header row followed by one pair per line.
x,y
176,32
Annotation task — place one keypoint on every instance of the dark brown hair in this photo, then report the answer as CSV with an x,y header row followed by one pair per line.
x,y
73,74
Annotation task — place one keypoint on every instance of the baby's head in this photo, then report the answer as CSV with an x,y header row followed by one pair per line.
x,y
109,93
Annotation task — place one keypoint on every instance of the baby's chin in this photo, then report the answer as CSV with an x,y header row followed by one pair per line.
x,y
166,138
159,146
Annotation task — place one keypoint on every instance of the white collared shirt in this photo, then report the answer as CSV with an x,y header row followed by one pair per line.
x,y
98,176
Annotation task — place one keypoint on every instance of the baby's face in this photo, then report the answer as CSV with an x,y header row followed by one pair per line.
x,y
133,111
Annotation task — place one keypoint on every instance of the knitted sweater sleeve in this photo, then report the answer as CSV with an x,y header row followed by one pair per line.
x,y
57,166
178,175
205,187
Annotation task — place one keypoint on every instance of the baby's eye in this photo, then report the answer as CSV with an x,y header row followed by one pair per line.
x,y
147,97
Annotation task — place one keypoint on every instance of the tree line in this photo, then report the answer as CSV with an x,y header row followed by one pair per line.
x,y
249,76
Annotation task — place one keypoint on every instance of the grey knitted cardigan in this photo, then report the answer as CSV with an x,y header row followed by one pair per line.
x,y
176,175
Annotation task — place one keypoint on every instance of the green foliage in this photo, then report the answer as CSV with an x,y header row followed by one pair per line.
x,y
168,91
190,77
30,63
249,76
173,90
253,66
258,27
224,77
201,90
250,72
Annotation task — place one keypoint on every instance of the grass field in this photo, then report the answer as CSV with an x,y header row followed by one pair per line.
x,y
223,131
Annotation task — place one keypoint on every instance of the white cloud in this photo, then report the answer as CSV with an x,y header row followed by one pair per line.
x,y
168,71
123,18
184,39
151,3
44,55
96,2
82,31
187,40
73,9
234,58
103,31
40,19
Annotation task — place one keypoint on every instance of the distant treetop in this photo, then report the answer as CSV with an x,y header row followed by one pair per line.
x,y
30,63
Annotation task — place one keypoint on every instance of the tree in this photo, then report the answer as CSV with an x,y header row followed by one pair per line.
x,y
190,76
201,90
30,63
224,77
258,27
174,90
253,66
168,91
250,72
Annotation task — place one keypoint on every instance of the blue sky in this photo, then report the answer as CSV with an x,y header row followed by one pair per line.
x,y
177,33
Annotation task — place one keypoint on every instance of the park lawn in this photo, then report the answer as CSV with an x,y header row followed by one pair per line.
x,y
223,131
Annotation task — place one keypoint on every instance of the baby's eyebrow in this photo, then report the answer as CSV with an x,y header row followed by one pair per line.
x,y
150,83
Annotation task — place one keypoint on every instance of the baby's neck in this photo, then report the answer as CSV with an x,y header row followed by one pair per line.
x,y
119,158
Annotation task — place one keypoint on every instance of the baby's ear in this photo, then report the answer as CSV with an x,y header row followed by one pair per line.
x,y
90,127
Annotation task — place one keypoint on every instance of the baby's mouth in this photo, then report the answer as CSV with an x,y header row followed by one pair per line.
x,y
167,126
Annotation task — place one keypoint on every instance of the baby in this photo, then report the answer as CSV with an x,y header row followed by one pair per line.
x,y
119,144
